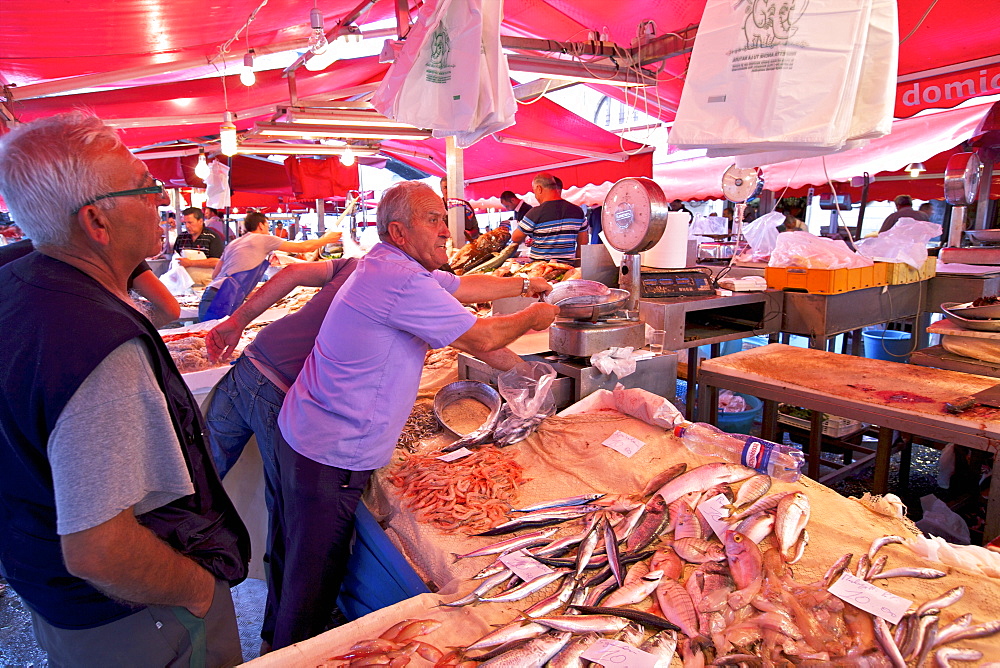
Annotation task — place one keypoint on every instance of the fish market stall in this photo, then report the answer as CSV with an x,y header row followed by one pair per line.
x,y
666,566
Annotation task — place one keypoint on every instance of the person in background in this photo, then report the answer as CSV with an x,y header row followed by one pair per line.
x,y
511,202
927,208
343,415
471,224
117,532
217,225
557,228
904,209
678,205
792,221
280,231
197,237
160,307
250,250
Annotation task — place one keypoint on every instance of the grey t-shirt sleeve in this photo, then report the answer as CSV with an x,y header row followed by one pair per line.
x,y
114,446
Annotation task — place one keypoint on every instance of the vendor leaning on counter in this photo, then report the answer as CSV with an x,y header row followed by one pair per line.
x,y
197,236
116,531
343,415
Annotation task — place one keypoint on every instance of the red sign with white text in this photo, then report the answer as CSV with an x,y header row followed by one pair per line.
x,y
946,90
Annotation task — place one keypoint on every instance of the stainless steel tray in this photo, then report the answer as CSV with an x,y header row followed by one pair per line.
x,y
979,325
984,236
967,310
592,307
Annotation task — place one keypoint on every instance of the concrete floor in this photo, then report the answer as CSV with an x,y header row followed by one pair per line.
x,y
19,649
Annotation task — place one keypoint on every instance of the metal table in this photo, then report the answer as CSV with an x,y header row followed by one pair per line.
x,y
850,387
944,288
689,322
821,317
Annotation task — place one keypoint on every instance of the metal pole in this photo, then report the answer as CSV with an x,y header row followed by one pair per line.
x,y
456,189
320,217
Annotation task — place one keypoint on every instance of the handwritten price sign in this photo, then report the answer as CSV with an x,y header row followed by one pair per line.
x,y
870,598
623,443
457,454
614,654
714,512
524,566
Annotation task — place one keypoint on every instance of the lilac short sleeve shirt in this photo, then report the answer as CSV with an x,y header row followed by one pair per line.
x,y
351,400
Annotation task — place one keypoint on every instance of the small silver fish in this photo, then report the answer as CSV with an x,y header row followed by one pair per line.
x,y
571,501
520,542
944,656
528,588
584,623
487,584
508,633
906,572
879,543
534,654
554,602
662,645
569,656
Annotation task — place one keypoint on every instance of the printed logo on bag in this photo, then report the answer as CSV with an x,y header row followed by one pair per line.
x,y
439,67
769,24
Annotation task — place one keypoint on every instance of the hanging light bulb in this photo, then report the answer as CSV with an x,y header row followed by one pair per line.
x,y
227,135
317,40
201,169
247,75
347,157
914,168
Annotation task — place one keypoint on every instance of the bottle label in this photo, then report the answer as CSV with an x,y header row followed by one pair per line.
x,y
757,453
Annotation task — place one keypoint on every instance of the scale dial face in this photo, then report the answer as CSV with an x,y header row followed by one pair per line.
x,y
961,179
741,184
634,215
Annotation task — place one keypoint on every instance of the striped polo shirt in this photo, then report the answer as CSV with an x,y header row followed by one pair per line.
x,y
553,227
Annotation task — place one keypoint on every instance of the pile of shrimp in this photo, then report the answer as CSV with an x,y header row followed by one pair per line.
x,y
470,494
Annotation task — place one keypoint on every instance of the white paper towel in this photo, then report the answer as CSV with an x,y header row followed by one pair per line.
x,y
670,252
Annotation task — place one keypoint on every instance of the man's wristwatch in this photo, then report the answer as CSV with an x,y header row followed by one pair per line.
x,y
525,286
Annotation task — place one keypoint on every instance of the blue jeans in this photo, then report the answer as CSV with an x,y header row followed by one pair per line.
x,y
245,404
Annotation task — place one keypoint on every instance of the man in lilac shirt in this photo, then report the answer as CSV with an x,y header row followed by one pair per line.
x,y
342,416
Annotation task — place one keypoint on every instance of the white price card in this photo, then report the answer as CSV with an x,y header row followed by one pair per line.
x,y
457,454
870,598
523,566
714,511
623,443
615,654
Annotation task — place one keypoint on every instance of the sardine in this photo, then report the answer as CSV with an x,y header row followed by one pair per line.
x,y
508,633
636,592
703,477
663,477
879,543
528,588
584,623
984,630
569,656
836,570
511,544
662,645
950,597
571,501
944,656
533,654
554,602
886,642
487,584
877,566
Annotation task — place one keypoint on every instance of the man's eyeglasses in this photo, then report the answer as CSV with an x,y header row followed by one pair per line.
x,y
156,189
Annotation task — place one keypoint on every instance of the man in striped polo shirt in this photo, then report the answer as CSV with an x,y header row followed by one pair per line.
x,y
557,228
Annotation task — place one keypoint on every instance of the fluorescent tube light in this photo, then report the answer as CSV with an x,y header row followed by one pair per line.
x,y
304,131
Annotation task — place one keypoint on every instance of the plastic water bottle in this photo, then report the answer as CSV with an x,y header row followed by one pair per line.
x,y
779,461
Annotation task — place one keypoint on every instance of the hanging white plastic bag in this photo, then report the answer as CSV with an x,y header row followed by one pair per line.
x,y
754,81
217,193
905,242
177,279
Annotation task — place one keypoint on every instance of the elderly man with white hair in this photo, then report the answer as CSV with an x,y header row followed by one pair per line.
x,y
117,533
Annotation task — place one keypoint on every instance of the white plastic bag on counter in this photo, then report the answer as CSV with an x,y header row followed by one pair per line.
x,y
905,242
802,249
646,406
619,361
762,234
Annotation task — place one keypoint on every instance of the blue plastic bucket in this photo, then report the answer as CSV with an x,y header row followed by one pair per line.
x,y
742,421
887,344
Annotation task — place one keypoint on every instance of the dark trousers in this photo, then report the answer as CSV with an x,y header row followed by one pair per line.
x,y
310,535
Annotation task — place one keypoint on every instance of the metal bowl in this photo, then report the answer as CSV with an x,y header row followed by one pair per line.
x,y
468,389
984,236
954,312
592,307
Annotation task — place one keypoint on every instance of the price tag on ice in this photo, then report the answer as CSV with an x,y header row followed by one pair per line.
x,y
457,454
714,510
870,598
524,566
623,443
615,654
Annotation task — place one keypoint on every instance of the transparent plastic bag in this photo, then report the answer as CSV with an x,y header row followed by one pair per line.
x,y
177,279
527,389
620,361
905,242
801,249
762,234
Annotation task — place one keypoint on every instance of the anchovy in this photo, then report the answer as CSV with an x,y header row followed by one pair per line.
x,y
984,630
571,501
877,566
511,544
886,642
611,547
663,477
864,563
533,654
584,623
907,572
569,656
663,646
835,571
911,647
944,656
644,618
943,601
879,543
528,588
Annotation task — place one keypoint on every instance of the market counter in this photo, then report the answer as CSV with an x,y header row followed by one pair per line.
x,y
566,457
